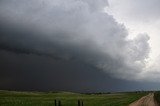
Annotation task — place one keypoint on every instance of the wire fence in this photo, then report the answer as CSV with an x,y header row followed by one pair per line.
x,y
59,103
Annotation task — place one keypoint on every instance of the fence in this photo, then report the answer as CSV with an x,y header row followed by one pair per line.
x,y
58,103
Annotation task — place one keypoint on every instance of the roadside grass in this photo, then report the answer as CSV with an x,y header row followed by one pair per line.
x,y
157,97
13,98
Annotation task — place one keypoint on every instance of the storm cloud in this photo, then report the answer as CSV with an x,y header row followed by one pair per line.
x,y
73,30
75,36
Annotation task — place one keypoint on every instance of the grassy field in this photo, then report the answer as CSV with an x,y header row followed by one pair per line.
x,y
12,98
157,96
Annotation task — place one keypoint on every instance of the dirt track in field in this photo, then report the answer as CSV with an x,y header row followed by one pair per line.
x,y
145,101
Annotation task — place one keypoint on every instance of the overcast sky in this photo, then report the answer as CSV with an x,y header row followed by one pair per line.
x,y
79,45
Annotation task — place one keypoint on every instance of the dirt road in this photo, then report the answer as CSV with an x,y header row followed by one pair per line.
x,y
145,101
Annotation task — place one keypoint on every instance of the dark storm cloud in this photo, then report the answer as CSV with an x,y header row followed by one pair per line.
x,y
65,43
31,72
73,30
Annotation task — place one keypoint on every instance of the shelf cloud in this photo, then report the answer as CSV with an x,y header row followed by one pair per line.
x,y
70,31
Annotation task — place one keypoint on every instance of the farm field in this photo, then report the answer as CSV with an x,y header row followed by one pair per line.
x,y
13,98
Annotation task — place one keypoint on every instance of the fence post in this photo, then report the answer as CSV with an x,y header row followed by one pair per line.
x,y
55,102
79,104
59,103
82,103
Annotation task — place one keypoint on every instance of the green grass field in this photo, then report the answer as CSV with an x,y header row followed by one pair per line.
x,y
12,98
157,96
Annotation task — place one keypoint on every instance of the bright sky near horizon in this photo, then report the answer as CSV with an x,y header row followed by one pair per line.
x,y
139,16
